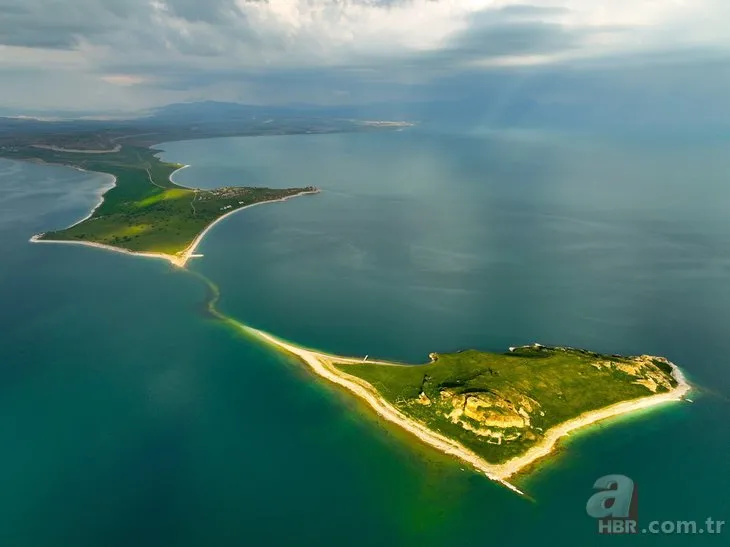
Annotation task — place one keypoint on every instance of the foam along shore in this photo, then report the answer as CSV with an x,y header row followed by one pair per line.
x,y
116,148
100,193
175,172
179,260
323,365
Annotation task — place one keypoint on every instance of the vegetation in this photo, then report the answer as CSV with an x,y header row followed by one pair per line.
x,y
499,405
180,122
145,211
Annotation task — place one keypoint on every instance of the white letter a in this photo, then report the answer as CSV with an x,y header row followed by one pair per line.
x,y
618,488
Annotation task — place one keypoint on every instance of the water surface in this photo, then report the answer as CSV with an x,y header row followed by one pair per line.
x,y
128,416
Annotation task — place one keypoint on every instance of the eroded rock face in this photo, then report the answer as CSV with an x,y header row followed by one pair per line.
x,y
644,369
500,412
423,399
489,415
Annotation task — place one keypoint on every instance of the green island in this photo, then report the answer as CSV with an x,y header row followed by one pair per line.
x,y
501,405
497,412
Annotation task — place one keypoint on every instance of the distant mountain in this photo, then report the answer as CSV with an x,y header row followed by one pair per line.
x,y
213,111
205,112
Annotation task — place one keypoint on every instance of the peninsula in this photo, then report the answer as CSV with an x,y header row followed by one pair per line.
x,y
143,212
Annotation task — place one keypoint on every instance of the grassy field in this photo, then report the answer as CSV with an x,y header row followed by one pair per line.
x,y
145,211
499,405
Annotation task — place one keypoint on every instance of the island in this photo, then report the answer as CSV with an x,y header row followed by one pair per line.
x,y
497,412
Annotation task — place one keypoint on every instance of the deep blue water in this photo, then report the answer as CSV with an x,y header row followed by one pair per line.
x,y
127,416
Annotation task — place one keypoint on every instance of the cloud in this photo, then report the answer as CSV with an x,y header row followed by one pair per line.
x,y
123,79
232,48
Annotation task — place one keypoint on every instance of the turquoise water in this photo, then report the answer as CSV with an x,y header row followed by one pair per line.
x,y
130,417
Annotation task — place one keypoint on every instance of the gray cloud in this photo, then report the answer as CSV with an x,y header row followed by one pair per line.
x,y
209,11
497,33
134,52
56,25
488,40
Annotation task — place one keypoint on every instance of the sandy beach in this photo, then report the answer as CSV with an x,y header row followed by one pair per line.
x,y
323,365
172,178
171,258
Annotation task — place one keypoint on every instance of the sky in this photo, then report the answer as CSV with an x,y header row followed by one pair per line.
x,y
126,55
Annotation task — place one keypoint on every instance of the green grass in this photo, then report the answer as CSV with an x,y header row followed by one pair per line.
x,y
550,385
145,211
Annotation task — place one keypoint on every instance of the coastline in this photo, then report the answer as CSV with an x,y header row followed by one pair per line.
x,y
554,434
179,260
100,194
171,258
116,148
172,180
323,365
188,253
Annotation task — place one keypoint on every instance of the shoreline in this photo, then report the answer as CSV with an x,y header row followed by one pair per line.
x,y
157,153
116,148
188,253
179,260
322,364
173,259
172,180
582,421
100,194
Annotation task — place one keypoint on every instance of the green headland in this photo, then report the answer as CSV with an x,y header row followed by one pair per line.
x,y
145,212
